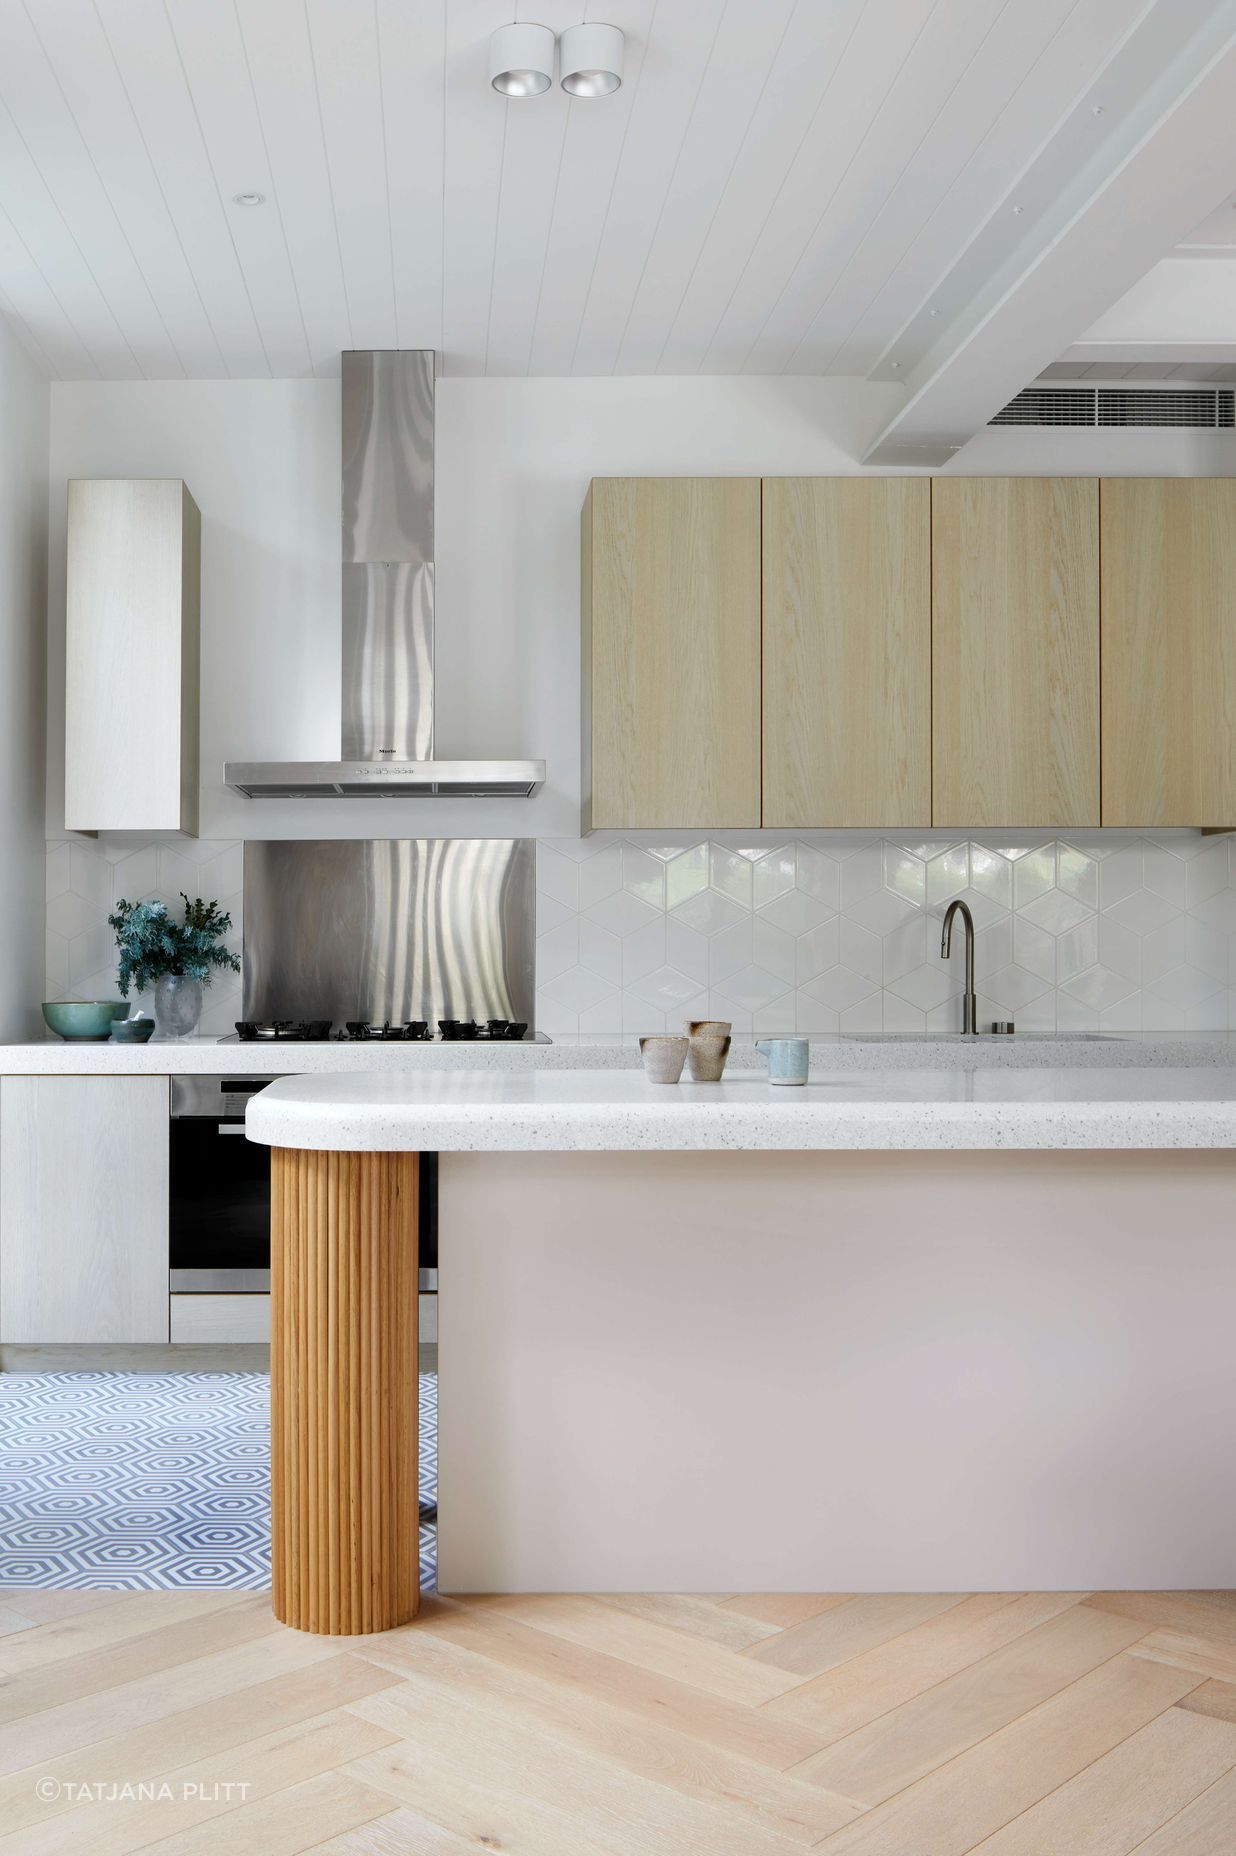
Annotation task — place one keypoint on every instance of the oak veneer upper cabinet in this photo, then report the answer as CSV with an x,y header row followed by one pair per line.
x,y
1169,651
1015,651
671,652
847,651
83,1208
131,683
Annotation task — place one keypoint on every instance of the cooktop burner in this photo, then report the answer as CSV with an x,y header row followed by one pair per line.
x,y
417,1030
283,1030
387,1033
465,1028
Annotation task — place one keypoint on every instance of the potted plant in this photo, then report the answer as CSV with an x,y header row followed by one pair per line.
x,y
176,959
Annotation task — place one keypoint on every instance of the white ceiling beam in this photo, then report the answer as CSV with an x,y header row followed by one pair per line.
x,y
1089,227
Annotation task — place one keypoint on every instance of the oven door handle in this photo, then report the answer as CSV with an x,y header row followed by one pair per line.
x,y
231,1127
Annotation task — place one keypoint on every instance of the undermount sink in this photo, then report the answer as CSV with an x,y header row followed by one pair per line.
x,y
981,1037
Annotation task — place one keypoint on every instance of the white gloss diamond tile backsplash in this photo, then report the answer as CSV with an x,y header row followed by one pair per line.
x,y
840,931
820,932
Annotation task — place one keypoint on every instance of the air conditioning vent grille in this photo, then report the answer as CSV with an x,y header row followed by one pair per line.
x,y
1205,407
1199,406
1050,406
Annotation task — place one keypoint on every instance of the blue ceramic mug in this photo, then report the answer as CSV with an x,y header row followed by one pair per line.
x,y
787,1058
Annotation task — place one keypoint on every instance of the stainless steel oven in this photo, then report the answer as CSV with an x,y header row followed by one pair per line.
x,y
219,1240
219,1236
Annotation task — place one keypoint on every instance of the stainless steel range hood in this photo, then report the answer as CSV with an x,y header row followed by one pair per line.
x,y
386,749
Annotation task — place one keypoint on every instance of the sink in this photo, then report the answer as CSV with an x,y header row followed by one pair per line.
x,y
982,1037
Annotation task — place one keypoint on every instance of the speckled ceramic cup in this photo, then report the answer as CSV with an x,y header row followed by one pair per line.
x,y
706,1055
709,1027
663,1057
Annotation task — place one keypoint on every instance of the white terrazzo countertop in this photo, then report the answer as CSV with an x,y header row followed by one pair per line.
x,y
605,1111
830,1054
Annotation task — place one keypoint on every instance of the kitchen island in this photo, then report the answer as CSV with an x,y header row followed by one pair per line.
x,y
914,1330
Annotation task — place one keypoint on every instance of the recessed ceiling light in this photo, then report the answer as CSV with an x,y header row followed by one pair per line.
x,y
521,60
591,60
249,199
1018,211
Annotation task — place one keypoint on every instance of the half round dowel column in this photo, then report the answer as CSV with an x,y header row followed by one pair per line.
x,y
344,1390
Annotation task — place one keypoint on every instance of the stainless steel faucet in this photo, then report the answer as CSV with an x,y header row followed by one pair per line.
x,y
969,1003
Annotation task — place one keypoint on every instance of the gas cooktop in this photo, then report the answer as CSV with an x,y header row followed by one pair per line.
x,y
417,1030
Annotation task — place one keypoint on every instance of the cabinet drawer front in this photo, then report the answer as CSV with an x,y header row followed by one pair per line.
x,y
220,1317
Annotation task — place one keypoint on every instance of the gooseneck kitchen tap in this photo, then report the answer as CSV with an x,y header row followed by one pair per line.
x,y
969,1004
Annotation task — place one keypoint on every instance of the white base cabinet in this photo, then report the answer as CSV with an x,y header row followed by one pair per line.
x,y
83,1208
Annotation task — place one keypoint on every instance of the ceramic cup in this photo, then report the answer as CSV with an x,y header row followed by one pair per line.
x,y
706,1055
711,1027
663,1058
787,1058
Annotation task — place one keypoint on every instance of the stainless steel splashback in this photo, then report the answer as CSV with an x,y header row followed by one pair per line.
x,y
391,928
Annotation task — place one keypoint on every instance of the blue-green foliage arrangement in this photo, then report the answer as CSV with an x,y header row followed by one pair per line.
x,y
151,943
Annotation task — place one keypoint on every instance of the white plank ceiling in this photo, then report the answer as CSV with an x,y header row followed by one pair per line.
x,y
777,187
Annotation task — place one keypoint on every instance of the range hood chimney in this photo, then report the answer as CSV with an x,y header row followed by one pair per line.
x,y
386,743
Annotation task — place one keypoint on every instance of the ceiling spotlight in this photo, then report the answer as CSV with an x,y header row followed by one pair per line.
x,y
249,199
521,60
591,60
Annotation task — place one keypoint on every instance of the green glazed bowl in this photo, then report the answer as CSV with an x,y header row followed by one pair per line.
x,y
132,1030
84,1021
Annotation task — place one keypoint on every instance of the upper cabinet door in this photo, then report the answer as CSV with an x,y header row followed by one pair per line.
x,y
1169,651
671,652
1015,651
847,651
131,682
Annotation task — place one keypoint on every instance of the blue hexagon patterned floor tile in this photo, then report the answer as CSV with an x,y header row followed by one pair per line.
x,y
149,1481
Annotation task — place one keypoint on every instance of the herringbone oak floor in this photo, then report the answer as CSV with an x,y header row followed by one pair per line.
x,y
1004,1724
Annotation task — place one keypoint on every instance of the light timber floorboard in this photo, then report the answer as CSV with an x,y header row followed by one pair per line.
x,y
891,1752
1203,1828
1215,1698
844,1699
990,1724
834,1637
1114,1805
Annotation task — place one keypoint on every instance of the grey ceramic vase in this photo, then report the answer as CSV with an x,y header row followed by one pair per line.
x,y
177,1004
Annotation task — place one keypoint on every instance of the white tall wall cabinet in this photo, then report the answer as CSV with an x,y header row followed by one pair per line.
x,y
131,685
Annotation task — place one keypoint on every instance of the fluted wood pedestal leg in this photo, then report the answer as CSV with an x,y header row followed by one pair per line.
x,y
344,1390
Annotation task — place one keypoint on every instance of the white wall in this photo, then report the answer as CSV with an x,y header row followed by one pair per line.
x,y
23,528
513,461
